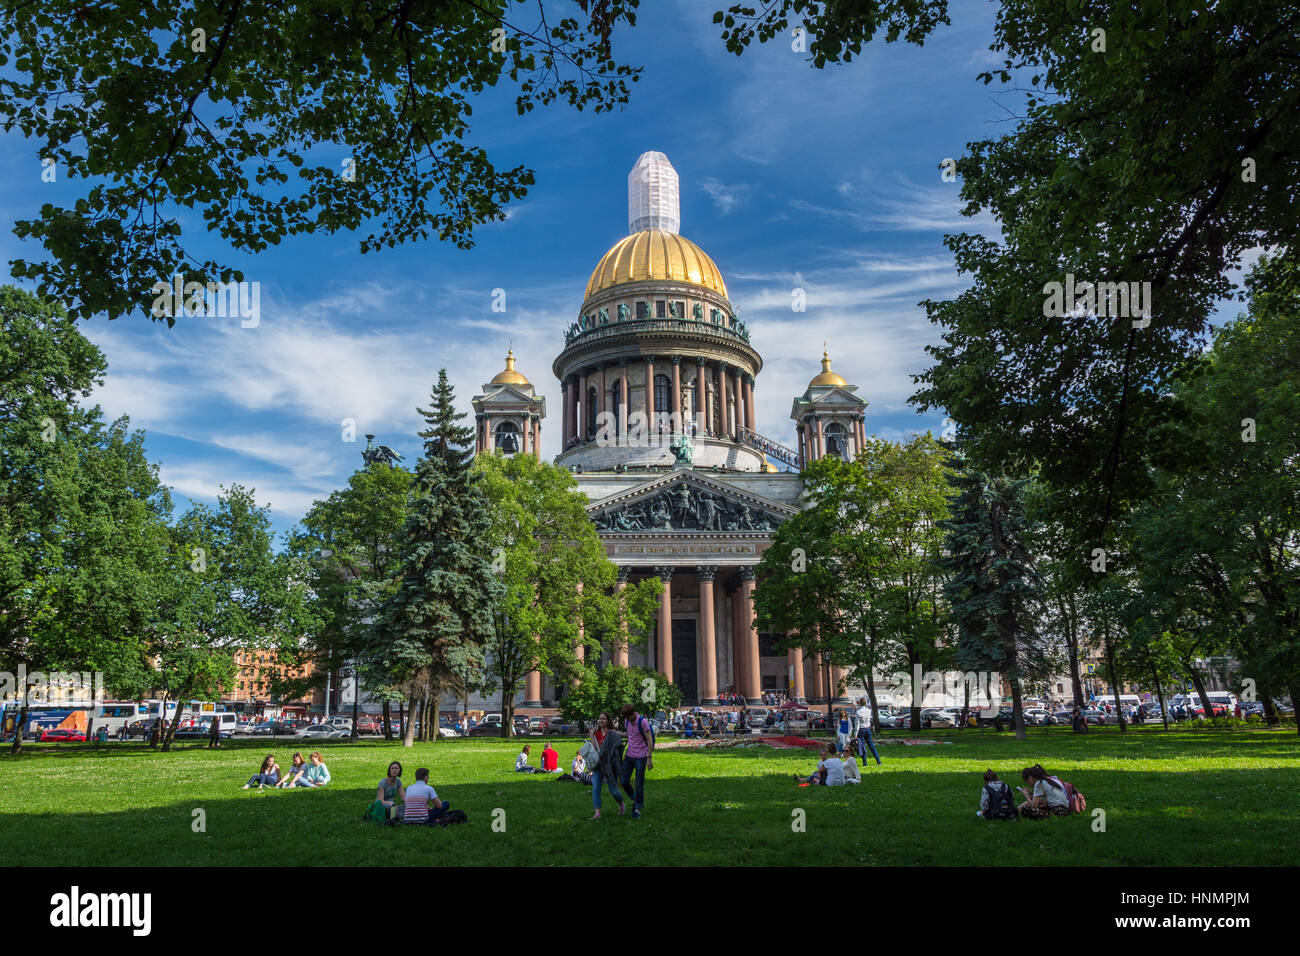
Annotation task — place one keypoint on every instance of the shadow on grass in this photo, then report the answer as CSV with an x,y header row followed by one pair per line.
x,y
711,808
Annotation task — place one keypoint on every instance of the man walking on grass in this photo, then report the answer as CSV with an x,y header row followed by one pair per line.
x,y
640,745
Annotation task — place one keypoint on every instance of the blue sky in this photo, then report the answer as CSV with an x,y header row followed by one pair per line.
x,y
790,177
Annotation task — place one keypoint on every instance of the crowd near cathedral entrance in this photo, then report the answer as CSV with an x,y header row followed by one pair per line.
x,y
658,426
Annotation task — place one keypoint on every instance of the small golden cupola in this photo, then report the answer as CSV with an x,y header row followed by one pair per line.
x,y
509,376
827,377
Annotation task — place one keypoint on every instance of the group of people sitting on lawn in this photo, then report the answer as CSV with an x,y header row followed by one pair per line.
x,y
301,773
417,803
832,771
1050,797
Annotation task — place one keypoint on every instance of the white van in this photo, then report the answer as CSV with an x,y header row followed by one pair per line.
x,y
227,719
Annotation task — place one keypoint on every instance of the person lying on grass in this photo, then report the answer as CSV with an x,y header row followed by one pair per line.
x,y
422,805
296,769
830,772
268,775
1048,798
317,774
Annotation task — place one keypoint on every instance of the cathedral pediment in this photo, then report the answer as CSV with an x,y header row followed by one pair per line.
x,y
688,503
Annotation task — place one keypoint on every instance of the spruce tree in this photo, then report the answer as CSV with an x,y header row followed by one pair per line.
x,y
994,592
432,629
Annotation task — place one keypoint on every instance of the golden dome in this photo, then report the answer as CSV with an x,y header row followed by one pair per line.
x,y
655,254
510,376
827,377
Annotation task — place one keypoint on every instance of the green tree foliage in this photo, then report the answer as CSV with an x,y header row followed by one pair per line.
x,y
350,544
433,628
609,689
559,587
1155,144
994,592
223,590
1219,540
252,121
855,575
82,515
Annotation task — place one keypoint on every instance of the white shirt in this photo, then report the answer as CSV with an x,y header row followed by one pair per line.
x,y
851,772
834,771
521,761
864,716
1055,795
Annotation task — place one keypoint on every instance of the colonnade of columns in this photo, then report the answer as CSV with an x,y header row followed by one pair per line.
x,y
530,438
721,394
811,437
717,587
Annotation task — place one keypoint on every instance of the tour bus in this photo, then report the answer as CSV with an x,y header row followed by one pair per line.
x,y
42,717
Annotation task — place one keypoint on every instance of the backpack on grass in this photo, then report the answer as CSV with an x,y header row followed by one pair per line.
x,y
452,816
1001,804
1074,799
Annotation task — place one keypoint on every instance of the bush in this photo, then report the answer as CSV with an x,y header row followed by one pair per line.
x,y
610,689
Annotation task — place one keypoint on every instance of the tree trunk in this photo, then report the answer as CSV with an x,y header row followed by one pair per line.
x,y
1017,710
1114,683
507,706
1160,693
1072,647
408,726
871,696
170,734
1293,687
1270,712
387,718
356,704
435,723
830,699
17,747
1206,707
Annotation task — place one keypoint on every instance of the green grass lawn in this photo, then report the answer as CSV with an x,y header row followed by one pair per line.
x,y
1185,798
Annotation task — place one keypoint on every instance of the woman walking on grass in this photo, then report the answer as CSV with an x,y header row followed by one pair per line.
x,y
607,766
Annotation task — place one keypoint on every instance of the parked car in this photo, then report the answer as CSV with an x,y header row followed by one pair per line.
x,y
62,735
1039,716
488,728
535,725
1094,716
369,724
198,732
324,732
935,717
558,725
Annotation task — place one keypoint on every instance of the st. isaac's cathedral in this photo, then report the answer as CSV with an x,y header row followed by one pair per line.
x,y
658,428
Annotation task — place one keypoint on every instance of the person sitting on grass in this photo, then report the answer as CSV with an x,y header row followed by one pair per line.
x,y
422,804
996,799
268,775
578,769
388,793
521,762
851,772
316,775
550,759
1048,798
830,772
297,768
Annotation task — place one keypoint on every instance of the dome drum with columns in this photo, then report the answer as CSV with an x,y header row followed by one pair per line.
x,y
693,498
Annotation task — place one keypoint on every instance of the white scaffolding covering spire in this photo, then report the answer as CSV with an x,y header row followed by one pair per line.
x,y
652,195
